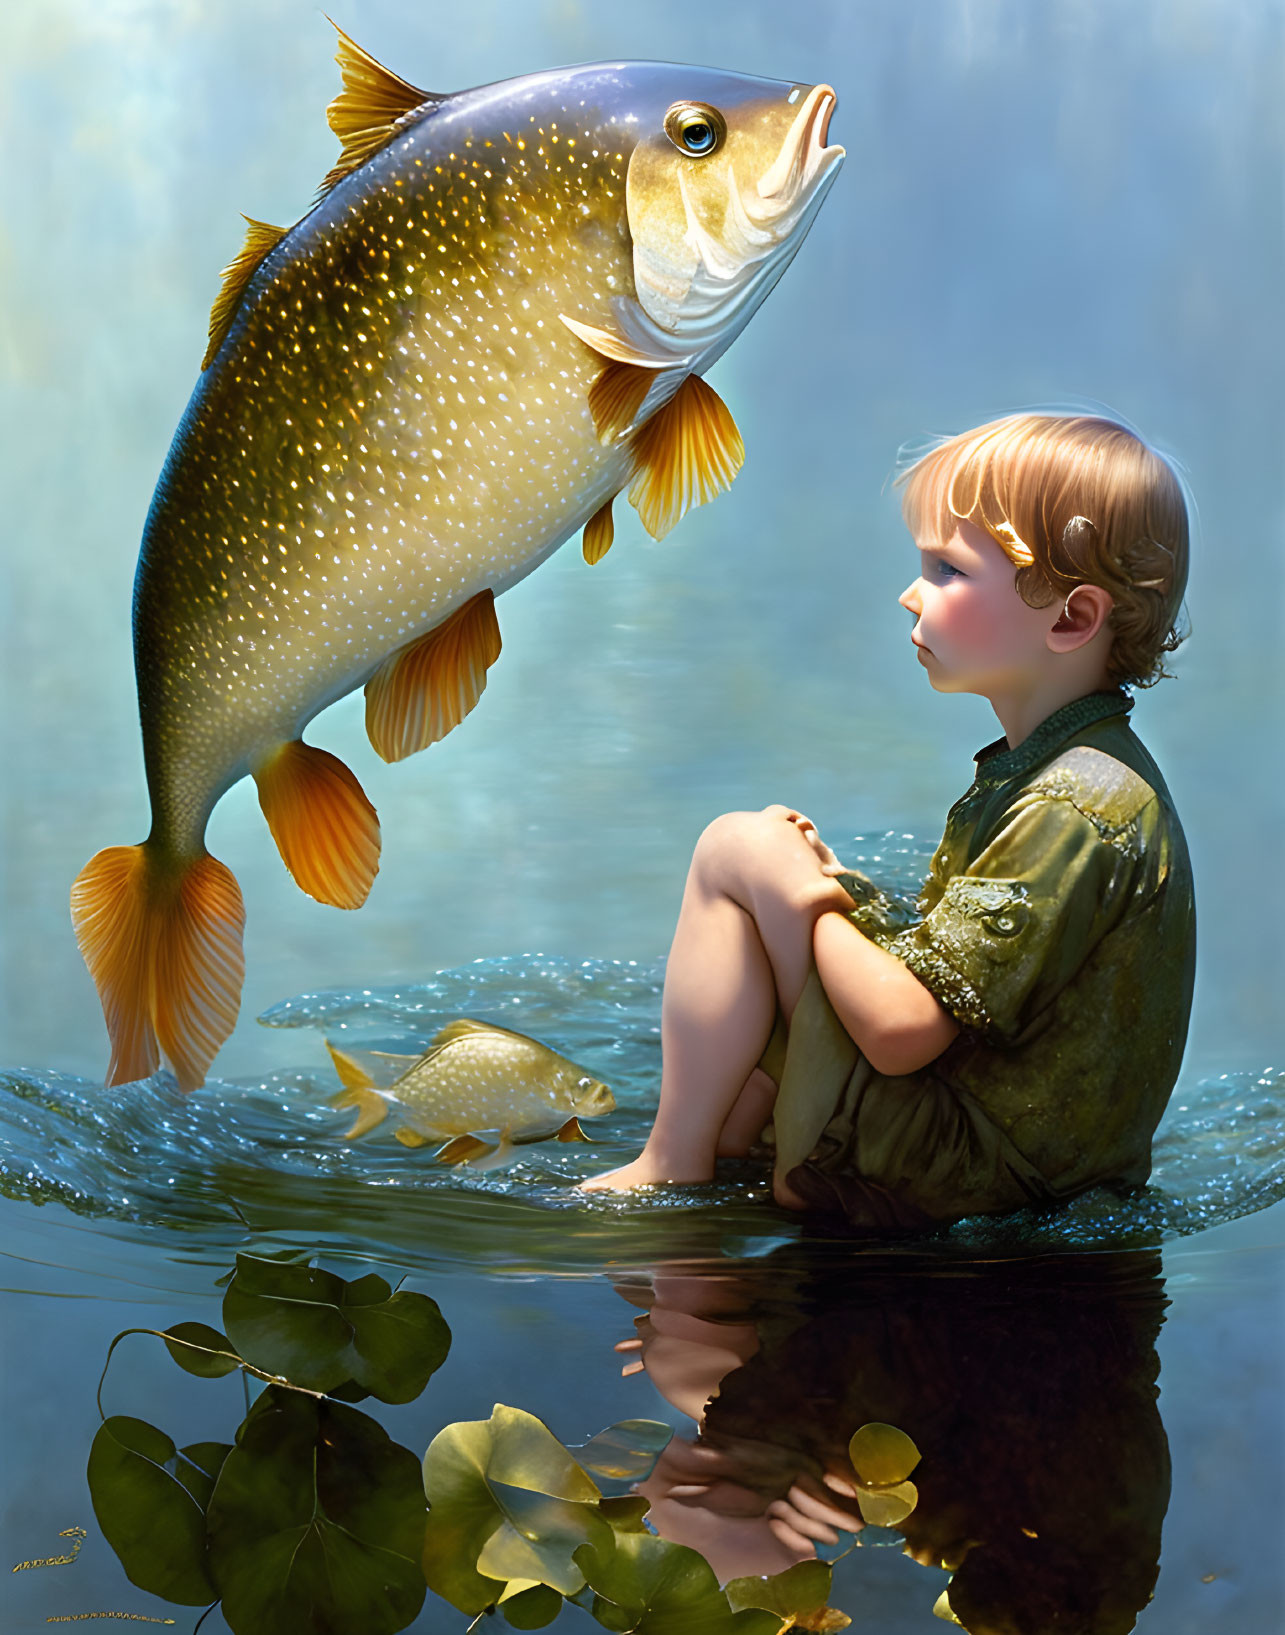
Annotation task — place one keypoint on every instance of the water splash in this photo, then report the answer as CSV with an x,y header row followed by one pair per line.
x,y
268,1155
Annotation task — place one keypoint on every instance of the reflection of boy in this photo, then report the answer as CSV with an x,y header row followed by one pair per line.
x,y
1020,1042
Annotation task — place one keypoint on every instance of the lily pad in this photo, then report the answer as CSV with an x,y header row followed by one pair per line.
x,y
653,1587
803,1588
532,1608
319,1331
507,1501
147,1515
198,1468
887,1506
316,1523
882,1455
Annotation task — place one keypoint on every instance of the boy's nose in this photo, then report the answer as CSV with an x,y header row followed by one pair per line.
x,y
910,599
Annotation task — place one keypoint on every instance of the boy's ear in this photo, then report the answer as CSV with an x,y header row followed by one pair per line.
x,y
1085,611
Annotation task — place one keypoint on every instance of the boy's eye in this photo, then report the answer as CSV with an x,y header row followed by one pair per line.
x,y
945,570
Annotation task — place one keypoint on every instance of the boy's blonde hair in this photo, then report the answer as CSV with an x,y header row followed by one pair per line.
x,y
1071,500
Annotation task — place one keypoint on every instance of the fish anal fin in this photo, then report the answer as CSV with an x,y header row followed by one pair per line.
x,y
571,1131
686,453
373,106
162,940
412,1138
599,532
616,397
260,240
326,830
424,690
460,1150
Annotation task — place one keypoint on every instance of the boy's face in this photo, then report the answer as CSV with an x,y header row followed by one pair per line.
x,y
973,632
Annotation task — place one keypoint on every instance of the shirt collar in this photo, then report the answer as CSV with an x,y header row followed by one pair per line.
x,y
996,763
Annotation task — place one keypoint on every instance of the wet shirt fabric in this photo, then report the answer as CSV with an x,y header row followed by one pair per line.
x,y
1058,928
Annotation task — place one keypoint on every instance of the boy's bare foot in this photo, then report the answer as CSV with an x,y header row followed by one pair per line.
x,y
644,1171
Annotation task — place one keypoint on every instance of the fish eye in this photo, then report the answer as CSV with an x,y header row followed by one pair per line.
x,y
695,128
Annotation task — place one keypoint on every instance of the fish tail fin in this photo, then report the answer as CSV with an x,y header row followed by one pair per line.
x,y
326,830
162,940
357,1092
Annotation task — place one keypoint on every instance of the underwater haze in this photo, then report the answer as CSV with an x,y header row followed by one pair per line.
x,y
1045,203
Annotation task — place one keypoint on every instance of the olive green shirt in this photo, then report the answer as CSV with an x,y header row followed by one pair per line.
x,y
1058,928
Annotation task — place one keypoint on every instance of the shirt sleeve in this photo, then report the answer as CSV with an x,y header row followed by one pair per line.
x,y
1015,927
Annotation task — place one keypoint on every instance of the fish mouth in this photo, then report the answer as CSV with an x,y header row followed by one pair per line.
x,y
804,154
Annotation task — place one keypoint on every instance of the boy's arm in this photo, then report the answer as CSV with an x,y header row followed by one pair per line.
x,y
899,1025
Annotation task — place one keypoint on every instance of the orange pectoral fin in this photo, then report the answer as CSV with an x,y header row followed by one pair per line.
x,y
686,453
424,690
616,397
599,532
325,828
163,944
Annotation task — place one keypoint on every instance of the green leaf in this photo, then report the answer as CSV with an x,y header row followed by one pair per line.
x,y
316,1523
803,1588
625,1513
198,1468
151,1521
626,1451
320,1332
203,1350
507,1502
882,1455
887,1506
659,1588
533,1608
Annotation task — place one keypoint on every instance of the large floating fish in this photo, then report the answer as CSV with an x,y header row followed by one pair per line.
x,y
494,320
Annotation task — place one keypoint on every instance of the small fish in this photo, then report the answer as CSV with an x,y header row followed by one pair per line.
x,y
493,321
474,1081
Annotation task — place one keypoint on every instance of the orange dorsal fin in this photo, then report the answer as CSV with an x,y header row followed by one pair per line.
x,y
260,240
616,397
686,453
599,532
372,107
162,942
422,691
325,828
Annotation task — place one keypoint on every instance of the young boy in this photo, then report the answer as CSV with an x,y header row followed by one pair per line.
x,y
1019,1043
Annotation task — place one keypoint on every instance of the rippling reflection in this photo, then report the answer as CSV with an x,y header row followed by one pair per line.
x,y
1028,1387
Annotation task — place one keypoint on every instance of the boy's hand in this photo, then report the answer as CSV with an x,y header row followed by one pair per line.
x,y
830,864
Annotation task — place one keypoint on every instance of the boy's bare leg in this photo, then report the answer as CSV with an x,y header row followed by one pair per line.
x,y
743,943
750,1112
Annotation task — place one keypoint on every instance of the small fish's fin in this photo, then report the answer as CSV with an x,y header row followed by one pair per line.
x,y
326,830
687,452
599,532
571,1131
465,1026
260,241
352,1075
398,1064
371,1107
162,941
460,1150
616,348
616,397
374,105
422,691
412,1138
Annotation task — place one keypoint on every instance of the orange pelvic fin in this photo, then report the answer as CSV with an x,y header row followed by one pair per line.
x,y
422,691
571,1131
686,453
459,1151
163,944
599,532
616,397
326,830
